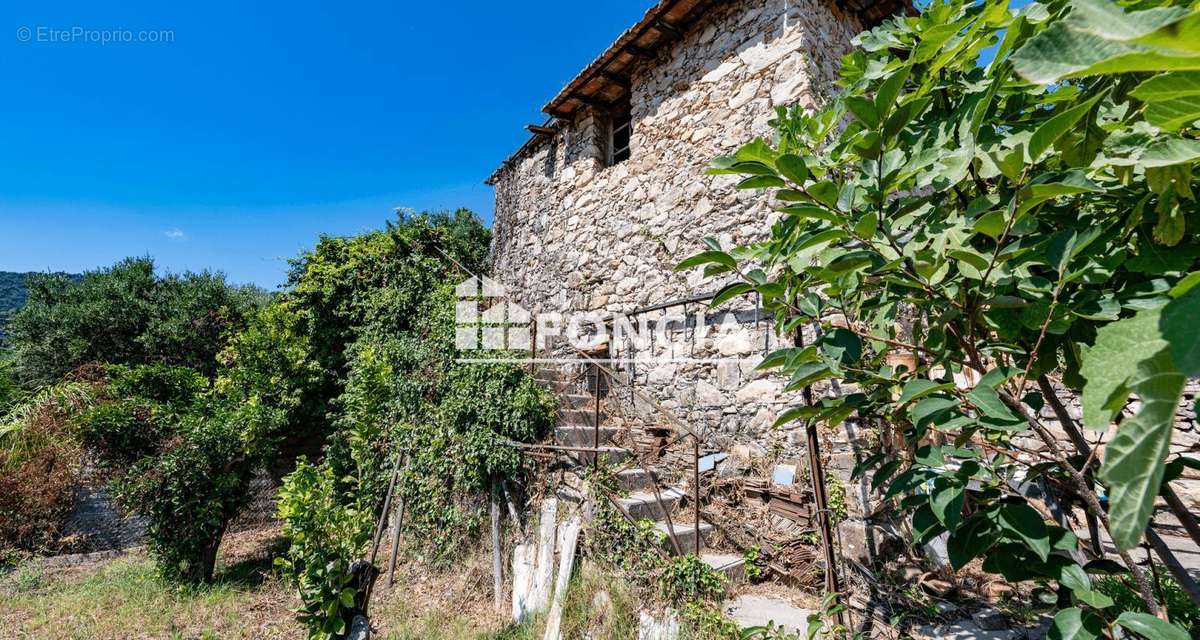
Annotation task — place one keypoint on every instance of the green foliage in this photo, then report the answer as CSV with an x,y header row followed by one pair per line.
x,y
122,432
10,392
124,315
378,312
689,578
189,493
271,367
13,294
754,563
1179,606
381,278
703,620
183,454
326,535
635,548
823,623
138,413
1027,217
173,387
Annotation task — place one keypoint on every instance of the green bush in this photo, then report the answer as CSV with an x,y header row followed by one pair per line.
x,y
190,492
689,578
125,314
176,387
1180,608
326,536
10,391
122,432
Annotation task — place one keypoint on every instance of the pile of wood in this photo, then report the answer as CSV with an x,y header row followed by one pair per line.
x,y
653,440
785,502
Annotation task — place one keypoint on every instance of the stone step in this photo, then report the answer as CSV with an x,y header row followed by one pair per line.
x,y
732,566
643,504
754,611
634,480
611,454
686,534
551,375
578,417
576,401
559,387
584,436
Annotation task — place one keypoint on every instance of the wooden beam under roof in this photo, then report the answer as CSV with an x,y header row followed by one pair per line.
x,y
668,29
541,130
638,52
622,81
593,101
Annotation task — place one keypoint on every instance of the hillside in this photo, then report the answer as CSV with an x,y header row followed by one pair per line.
x,y
12,294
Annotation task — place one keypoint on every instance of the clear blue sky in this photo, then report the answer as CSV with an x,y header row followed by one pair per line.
x,y
264,124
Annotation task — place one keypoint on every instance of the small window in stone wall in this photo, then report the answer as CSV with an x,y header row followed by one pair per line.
x,y
619,135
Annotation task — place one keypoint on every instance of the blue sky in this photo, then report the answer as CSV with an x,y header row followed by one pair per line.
x,y
264,124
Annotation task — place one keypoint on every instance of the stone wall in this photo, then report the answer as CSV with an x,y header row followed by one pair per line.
x,y
574,235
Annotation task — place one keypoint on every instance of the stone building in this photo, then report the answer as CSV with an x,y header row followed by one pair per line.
x,y
595,210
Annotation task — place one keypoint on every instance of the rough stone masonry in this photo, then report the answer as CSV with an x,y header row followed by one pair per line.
x,y
575,232
578,231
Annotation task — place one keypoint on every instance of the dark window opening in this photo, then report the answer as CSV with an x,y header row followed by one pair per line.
x,y
622,128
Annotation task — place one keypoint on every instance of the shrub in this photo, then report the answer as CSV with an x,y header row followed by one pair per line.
x,y
176,387
703,620
39,465
125,315
122,432
188,495
10,391
988,196
326,536
689,578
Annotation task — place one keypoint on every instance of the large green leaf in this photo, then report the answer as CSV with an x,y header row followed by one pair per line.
x,y
707,257
1060,52
1183,36
1168,151
1054,128
1134,460
1166,86
1178,327
970,540
1108,365
1173,99
1150,627
1108,20
1099,37
1075,624
946,501
1026,524
1175,113
919,388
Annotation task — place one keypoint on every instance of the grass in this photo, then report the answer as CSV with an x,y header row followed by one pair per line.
x,y
125,598
457,605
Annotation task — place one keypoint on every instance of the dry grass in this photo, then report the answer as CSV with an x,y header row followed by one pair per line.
x,y
125,599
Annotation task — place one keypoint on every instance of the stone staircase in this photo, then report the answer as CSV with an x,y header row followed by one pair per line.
x,y
576,427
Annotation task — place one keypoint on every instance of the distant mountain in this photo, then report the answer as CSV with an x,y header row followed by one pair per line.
x,y
12,294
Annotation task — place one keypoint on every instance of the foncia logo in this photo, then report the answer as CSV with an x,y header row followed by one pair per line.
x,y
502,326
